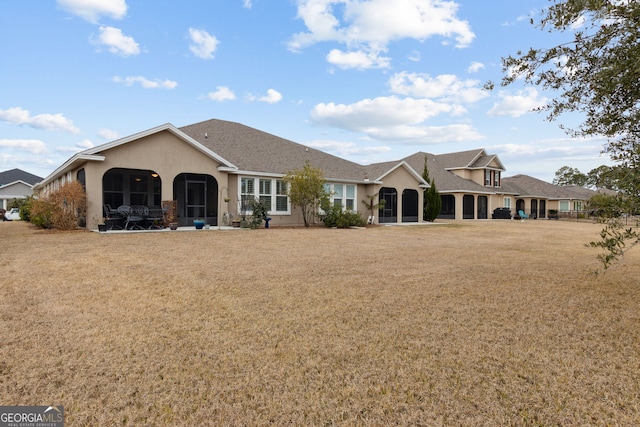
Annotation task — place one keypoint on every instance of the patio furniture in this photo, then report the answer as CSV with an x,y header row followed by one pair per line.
x,y
522,215
137,216
115,220
155,217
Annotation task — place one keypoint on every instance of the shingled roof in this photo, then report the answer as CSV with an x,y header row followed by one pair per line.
x,y
528,186
14,175
439,167
253,150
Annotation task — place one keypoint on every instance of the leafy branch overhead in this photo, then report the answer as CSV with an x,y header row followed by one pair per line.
x,y
595,72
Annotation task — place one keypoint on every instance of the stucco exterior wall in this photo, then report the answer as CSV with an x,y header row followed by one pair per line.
x,y
163,153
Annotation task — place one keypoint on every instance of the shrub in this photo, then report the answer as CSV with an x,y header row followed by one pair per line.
x,y
259,213
62,209
334,216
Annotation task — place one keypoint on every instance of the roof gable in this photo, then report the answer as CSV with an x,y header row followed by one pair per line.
x,y
13,175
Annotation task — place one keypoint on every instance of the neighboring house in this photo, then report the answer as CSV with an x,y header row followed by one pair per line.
x,y
16,184
201,165
536,197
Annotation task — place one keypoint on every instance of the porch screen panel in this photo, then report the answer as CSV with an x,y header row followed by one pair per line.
x,y
113,189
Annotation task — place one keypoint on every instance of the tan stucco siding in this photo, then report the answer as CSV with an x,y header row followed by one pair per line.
x,y
163,153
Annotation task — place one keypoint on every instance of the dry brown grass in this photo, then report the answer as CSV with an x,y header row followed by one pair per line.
x,y
473,323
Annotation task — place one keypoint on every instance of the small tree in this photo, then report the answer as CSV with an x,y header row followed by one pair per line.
x,y
431,203
306,190
371,205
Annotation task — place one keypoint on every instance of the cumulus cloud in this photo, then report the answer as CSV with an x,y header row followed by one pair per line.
x,y
475,67
445,87
347,149
203,45
359,60
20,116
272,97
92,10
146,83
394,119
108,134
222,93
524,101
368,27
116,42
32,146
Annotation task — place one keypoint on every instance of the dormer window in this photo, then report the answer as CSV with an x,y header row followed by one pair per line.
x,y
491,178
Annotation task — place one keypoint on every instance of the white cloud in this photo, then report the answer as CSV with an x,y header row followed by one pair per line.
x,y
246,4
108,134
394,119
222,93
445,87
203,45
146,83
272,97
359,60
369,26
524,101
116,42
376,113
475,67
346,148
84,144
92,10
32,146
20,116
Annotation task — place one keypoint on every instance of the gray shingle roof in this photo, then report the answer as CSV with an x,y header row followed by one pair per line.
x,y
13,175
254,150
439,165
527,186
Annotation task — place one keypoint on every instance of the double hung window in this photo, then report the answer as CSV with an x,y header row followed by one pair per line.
x,y
272,193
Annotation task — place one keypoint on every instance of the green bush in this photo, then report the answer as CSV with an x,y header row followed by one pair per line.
x,y
334,216
259,213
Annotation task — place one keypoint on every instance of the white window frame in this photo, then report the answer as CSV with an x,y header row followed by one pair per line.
x,y
259,185
344,198
506,202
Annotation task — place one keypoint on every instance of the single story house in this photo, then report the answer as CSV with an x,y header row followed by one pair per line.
x,y
16,184
209,169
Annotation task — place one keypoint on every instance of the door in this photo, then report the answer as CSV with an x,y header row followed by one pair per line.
x,y
196,201
389,211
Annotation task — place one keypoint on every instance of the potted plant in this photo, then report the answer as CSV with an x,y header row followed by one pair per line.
x,y
198,223
173,225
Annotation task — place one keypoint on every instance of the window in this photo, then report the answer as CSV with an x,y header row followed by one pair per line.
x,y
247,192
265,192
496,179
276,202
282,198
342,195
487,177
564,206
577,206
506,202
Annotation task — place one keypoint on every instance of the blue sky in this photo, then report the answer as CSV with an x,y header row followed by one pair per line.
x,y
369,81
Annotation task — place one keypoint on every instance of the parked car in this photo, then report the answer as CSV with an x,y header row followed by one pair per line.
x,y
13,214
